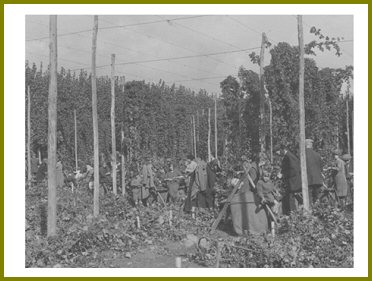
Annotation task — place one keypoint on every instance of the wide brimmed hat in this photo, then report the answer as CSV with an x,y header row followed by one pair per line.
x,y
337,151
346,157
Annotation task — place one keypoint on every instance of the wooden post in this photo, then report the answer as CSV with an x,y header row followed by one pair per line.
x,y
76,159
193,124
347,117
122,161
138,222
218,254
215,127
262,96
305,192
95,120
170,217
272,224
197,131
209,135
192,136
52,128
29,174
113,135
178,262
122,147
271,131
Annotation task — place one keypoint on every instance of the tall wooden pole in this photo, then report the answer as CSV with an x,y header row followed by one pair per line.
x,y
122,161
347,117
122,150
76,158
197,131
262,139
192,136
305,192
113,135
271,131
95,120
52,128
193,124
209,135
29,174
215,127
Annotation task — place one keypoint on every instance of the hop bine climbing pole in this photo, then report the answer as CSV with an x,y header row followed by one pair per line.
x,y
95,120
262,139
215,127
209,135
75,134
122,147
29,174
113,135
305,193
52,128
347,117
193,124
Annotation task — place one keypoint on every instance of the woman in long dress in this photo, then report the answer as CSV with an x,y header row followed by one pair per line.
x,y
340,178
248,214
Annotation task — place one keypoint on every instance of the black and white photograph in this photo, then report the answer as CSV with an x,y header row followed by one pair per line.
x,y
191,141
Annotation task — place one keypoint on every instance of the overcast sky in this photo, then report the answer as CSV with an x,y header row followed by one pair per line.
x,y
138,41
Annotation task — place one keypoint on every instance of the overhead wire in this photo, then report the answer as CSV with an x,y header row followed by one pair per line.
x,y
142,63
182,57
114,27
178,46
104,41
248,27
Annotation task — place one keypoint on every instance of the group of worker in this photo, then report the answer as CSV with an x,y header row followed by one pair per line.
x,y
253,206
256,203
291,172
39,170
194,183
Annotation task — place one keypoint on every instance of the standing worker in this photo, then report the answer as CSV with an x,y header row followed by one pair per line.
x,y
340,178
291,172
314,171
173,178
59,174
191,187
147,180
34,164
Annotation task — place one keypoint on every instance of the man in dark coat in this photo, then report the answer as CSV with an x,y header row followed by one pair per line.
x,y
42,171
213,168
314,171
291,171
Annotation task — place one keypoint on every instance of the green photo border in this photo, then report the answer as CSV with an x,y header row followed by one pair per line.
x,y
4,2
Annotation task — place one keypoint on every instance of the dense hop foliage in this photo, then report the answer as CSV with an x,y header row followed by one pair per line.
x,y
325,109
156,118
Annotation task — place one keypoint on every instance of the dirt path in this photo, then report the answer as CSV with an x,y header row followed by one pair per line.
x,y
154,257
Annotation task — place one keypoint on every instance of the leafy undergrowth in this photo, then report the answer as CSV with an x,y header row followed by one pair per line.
x,y
324,239
82,238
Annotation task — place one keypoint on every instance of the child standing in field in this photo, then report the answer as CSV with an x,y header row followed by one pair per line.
x,y
267,190
136,186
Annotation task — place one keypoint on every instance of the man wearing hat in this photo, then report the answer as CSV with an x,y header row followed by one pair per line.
x,y
291,171
314,171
